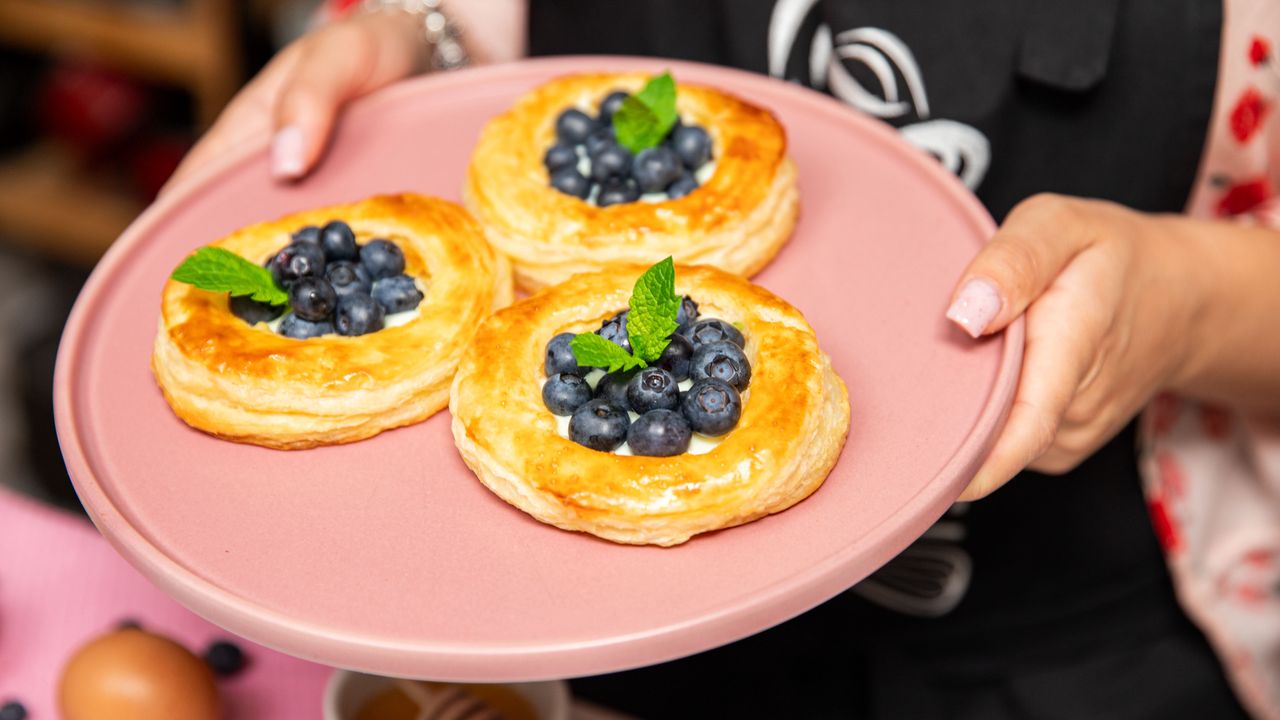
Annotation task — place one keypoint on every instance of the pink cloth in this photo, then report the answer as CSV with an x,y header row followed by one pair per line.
x,y
61,584
1212,477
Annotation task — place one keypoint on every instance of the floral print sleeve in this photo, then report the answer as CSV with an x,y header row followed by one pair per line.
x,y
1212,477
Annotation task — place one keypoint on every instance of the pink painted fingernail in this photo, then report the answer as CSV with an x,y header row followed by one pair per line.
x,y
976,306
286,153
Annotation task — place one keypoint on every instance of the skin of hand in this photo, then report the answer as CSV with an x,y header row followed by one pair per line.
x,y
1119,306
298,94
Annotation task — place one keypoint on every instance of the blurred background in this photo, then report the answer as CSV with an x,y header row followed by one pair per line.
x,y
99,100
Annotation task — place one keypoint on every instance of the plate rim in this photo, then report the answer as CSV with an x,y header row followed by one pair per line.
x,y
783,599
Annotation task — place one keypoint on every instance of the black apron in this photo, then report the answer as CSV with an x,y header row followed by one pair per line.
x,y
1069,611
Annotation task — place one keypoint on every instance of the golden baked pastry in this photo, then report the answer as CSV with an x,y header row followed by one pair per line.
x,y
248,384
737,220
794,421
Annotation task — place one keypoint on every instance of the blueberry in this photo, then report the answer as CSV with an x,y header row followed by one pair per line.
x,y
397,294
687,314
254,312
565,392
560,358
308,234
573,126
295,327
615,191
659,433
655,168
599,140
560,156
348,278
338,241
721,361
13,710
382,259
612,388
676,358
651,389
613,161
611,104
615,331
224,658
707,331
312,299
693,145
599,425
683,185
571,182
358,314
297,260
711,407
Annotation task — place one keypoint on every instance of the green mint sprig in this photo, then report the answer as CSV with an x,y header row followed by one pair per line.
x,y
591,350
646,117
654,306
219,270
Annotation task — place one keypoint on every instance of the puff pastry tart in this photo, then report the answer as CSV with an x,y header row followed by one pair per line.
x,y
733,211
236,376
740,417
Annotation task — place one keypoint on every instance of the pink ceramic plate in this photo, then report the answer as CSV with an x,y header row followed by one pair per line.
x,y
388,555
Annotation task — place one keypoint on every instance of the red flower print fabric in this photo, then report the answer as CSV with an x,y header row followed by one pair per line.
x,y
1212,474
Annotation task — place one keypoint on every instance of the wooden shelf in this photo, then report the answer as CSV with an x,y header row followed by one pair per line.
x,y
191,47
49,207
47,204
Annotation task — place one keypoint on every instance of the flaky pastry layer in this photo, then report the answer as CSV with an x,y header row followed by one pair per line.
x,y
248,384
737,220
794,423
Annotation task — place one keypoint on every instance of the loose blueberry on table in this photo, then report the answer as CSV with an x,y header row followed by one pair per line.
x,y
646,408
13,710
589,162
224,658
335,285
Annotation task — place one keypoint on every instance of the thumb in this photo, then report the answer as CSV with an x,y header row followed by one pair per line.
x,y
1037,240
338,64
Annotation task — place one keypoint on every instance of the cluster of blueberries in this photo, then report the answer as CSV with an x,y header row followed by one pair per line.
x,y
709,352
334,284
613,174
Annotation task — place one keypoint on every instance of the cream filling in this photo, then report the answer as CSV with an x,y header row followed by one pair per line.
x,y
699,444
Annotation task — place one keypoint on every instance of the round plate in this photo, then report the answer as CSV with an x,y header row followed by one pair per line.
x,y
389,556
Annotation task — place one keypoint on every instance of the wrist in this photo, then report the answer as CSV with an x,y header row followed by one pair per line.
x,y
1190,277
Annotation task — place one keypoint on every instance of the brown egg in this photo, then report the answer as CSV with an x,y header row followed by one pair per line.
x,y
134,675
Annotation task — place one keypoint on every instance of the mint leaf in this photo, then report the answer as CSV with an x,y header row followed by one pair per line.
x,y
659,94
635,125
646,117
654,305
592,350
219,270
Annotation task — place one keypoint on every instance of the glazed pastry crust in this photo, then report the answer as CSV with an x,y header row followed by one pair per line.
x,y
249,384
737,220
794,423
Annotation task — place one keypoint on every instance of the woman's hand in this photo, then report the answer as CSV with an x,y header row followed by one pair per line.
x,y
298,95
1112,299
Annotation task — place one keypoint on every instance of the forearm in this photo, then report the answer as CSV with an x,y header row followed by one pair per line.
x,y
1233,351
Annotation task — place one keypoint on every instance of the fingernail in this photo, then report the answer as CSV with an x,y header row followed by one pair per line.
x,y
286,153
976,306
